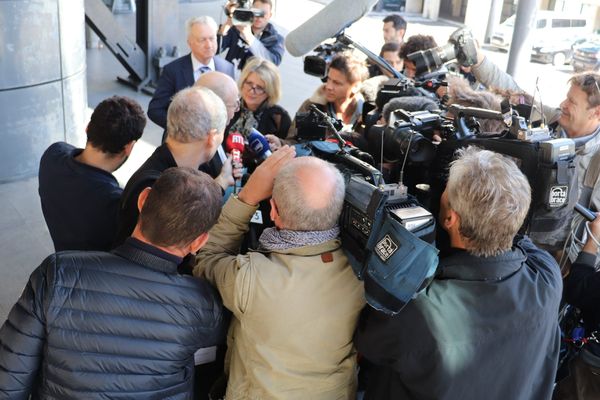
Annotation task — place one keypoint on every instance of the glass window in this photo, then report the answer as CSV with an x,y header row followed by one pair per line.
x,y
541,24
561,23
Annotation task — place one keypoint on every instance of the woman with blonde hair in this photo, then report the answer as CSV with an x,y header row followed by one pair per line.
x,y
260,90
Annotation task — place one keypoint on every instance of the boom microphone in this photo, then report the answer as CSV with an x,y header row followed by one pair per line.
x,y
259,145
325,24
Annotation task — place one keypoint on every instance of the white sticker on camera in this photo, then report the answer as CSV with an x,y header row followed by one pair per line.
x,y
257,218
558,196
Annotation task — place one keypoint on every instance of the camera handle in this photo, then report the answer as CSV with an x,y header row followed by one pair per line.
x,y
328,120
380,62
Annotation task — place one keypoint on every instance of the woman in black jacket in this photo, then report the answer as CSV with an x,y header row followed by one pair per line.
x,y
260,89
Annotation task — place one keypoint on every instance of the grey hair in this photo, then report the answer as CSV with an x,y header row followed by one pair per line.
x,y
293,199
193,113
203,20
491,196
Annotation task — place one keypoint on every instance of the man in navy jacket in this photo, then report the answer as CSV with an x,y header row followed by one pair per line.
x,y
123,324
183,72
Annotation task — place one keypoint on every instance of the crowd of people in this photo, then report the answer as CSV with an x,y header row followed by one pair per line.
x,y
153,292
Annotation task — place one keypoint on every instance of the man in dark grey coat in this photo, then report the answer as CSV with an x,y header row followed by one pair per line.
x,y
124,324
487,326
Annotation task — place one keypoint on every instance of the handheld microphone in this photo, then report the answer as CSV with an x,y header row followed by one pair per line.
x,y
235,145
325,24
259,145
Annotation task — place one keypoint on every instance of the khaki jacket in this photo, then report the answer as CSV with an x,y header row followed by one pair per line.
x,y
294,310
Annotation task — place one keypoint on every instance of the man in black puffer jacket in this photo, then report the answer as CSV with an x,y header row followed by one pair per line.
x,y
124,324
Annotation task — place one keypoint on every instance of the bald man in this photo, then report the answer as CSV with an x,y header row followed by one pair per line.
x,y
223,86
296,301
226,88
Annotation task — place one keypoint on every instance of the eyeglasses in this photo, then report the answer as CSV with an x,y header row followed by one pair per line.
x,y
589,79
256,89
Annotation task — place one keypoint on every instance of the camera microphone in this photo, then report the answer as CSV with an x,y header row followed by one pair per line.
x,y
325,24
259,145
235,145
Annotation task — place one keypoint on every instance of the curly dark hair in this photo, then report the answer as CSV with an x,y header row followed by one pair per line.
x,y
416,43
115,122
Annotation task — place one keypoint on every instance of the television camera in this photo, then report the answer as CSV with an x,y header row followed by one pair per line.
x,y
241,13
388,229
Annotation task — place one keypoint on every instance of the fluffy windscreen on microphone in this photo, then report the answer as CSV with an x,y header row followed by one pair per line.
x,y
325,24
259,144
409,103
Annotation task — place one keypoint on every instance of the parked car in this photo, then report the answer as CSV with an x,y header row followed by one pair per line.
x,y
586,56
549,26
557,52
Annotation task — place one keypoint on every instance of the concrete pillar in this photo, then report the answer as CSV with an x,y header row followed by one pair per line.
x,y
414,6
42,81
494,19
431,9
476,17
520,48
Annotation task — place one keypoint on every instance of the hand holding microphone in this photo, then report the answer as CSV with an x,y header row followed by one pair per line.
x,y
235,146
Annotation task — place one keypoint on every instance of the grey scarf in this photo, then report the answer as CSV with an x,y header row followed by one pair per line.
x,y
276,239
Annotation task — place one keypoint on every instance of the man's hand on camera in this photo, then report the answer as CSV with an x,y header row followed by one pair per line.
x,y
246,33
274,142
260,185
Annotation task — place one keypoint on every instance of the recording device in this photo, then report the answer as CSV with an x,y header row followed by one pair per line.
x,y
461,45
315,124
235,145
325,24
259,145
386,234
241,13
317,64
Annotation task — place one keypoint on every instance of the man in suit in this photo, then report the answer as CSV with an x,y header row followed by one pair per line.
x,y
183,72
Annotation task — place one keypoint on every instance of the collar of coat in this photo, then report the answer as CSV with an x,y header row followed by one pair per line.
x,y
318,97
465,266
149,260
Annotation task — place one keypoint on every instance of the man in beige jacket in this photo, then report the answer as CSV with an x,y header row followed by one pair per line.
x,y
296,300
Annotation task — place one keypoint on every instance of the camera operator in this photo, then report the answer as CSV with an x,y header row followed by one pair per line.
x,y
487,326
582,290
578,118
415,43
339,97
296,301
259,39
